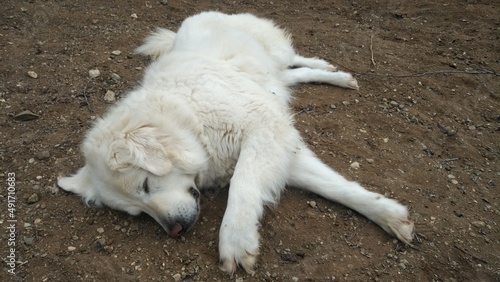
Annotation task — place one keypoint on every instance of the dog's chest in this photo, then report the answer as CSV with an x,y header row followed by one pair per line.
x,y
222,145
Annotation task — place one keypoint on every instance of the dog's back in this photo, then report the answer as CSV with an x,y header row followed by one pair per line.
x,y
224,36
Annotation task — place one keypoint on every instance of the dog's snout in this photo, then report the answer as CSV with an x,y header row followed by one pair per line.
x,y
194,192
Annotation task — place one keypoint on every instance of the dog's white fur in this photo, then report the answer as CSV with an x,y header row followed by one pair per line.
x,y
213,109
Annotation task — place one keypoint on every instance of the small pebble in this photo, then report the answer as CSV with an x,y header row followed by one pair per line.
x,y
28,241
115,77
71,248
100,230
45,154
37,221
458,213
355,165
25,116
478,224
94,73
101,242
110,96
134,16
177,277
32,74
433,220
116,52
370,161
33,198
312,204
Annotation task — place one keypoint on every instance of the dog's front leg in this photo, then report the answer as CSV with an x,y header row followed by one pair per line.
x,y
239,236
258,179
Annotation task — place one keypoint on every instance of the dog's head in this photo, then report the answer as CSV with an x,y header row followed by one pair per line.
x,y
141,169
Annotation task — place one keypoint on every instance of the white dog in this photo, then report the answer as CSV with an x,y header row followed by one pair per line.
x,y
212,110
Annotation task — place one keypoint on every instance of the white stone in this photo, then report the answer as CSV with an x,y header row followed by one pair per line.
x,y
94,73
355,165
110,96
32,74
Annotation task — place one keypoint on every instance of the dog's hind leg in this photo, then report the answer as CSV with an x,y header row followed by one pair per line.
x,y
311,174
306,75
313,63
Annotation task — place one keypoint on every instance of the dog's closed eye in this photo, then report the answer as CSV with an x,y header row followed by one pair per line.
x,y
145,186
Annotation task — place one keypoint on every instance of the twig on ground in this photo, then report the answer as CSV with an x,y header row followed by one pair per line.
x,y
431,73
85,96
450,160
471,255
371,50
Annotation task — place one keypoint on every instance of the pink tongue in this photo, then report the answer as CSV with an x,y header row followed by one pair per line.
x,y
176,230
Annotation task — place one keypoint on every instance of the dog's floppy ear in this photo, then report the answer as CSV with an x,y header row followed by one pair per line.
x,y
142,147
80,184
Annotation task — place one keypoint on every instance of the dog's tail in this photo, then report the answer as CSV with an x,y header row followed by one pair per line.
x,y
157,43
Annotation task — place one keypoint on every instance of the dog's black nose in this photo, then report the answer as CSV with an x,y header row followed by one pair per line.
x,y
194,192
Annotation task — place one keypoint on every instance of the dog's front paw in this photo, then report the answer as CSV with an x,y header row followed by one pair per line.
x,y
402,228
238,246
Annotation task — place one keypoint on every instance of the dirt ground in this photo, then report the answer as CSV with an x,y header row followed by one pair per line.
x,y
424,128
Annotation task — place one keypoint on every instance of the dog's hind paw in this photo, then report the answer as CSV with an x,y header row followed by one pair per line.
x,y
330,67
352,83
